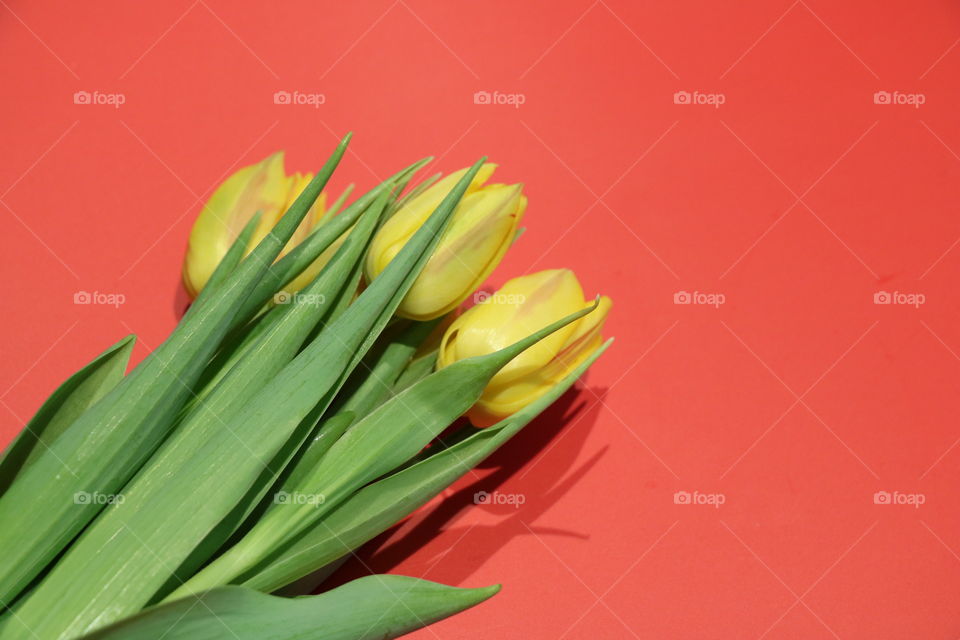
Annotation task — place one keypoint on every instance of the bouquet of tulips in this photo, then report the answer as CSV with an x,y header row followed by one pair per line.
x,y
292,415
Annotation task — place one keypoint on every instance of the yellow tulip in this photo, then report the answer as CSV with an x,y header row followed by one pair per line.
x,y
265,188
524,305
482,229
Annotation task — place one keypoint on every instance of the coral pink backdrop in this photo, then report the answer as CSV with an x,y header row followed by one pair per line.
x,y
767,190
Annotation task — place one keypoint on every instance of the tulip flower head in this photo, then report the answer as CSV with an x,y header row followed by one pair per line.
x,y
524,305
265,188
482,229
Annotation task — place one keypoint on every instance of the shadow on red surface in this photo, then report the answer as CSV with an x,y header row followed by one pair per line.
x,y
559,432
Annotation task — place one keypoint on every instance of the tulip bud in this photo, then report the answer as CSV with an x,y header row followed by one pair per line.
x,y
263,187
482,229
524,305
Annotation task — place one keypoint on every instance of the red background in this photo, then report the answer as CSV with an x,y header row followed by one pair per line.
x,y
798,199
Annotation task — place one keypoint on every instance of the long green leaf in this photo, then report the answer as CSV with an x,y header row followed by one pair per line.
x,y
383,440
379,506
108,443
231,461
77,394
373,380
347,340
253,314
130,552
417,369
300,257
370,608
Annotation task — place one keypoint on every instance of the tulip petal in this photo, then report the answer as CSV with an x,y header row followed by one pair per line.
x,y
522,305
403,224
479,235
263,188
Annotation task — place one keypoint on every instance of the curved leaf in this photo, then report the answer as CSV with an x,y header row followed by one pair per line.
x,y
370,608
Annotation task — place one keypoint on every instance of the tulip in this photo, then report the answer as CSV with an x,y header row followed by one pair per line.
x,y
482,229
523,305
265,188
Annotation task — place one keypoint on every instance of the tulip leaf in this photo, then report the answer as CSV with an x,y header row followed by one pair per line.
x,y
374,607
128,554
417,369
78,393
382,441
109,442
373,380
223,467
302,256
340,347
379,506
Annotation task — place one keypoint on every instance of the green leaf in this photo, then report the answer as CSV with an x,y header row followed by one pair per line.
x,y
379,506
417,369
373,380
369,608
109,442
222,469
315,449
383,440
130,552
300,257
78,393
